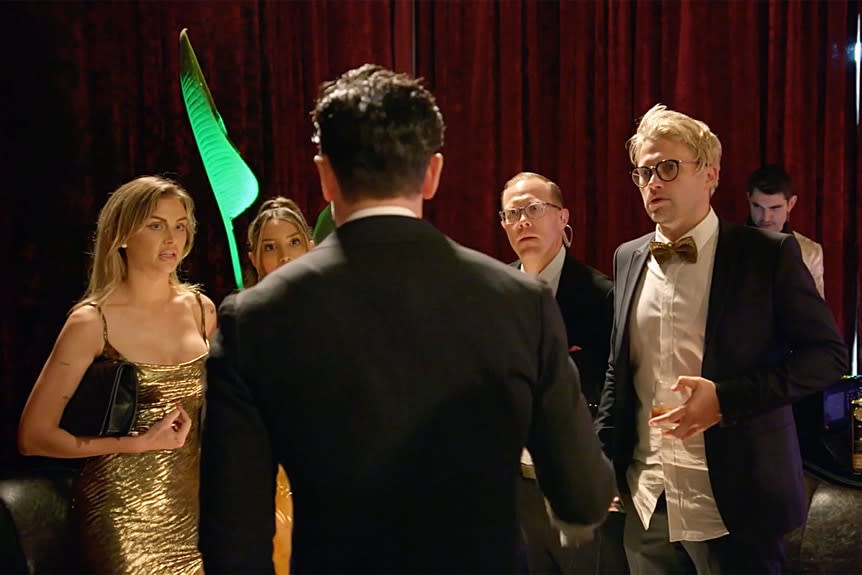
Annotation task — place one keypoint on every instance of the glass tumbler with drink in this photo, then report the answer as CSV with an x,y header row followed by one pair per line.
x,y
665,400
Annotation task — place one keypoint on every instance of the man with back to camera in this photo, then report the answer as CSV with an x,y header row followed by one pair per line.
x,y
536,222
720,328
770,200
393,373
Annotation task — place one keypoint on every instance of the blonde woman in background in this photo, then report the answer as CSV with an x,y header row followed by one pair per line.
x,y
278,234
136,498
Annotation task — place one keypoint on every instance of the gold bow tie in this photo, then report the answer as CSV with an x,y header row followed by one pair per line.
x,y
685,248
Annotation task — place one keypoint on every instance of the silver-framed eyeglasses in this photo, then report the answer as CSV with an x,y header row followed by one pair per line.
x,y
666,170
533,211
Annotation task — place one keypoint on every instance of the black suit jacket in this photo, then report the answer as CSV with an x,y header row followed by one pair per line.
x,y
396,376
770,340
585,297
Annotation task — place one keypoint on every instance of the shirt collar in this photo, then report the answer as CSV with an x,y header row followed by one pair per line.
x,y
701,233
550,274
381,211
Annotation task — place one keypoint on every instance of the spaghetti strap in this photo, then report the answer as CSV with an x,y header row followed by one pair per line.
x,y
108,349
203,317
104,321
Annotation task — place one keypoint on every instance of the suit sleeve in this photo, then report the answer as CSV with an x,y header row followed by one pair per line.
x,y
816,354
237,484
604,423
575,476
606,332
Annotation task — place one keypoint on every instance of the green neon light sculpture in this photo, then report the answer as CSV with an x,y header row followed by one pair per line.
x,y
232,181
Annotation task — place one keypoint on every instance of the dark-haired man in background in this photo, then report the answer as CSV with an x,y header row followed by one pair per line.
x,y
770,200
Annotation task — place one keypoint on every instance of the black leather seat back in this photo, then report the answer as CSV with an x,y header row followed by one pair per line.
x,y
38,505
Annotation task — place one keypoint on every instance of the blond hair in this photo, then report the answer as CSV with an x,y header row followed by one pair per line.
x,y
556,193
659,122
123,215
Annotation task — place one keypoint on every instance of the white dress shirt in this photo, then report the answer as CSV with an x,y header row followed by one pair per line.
x,y
667,326
551,273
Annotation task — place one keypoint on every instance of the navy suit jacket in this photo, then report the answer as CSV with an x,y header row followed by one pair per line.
x,y
770,340
585,297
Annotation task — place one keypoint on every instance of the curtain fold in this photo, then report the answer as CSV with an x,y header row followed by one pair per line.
x,y
558,88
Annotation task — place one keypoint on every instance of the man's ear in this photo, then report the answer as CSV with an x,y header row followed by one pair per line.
x,y
712,178
432,176
328,182
564,216
791,202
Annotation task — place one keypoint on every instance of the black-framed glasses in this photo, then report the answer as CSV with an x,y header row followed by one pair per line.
x,y
533,211
666,170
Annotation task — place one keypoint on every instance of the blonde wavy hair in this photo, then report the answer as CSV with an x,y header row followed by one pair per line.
x,y
660,122
123,215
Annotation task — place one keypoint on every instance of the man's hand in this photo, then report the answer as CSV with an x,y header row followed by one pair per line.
x,y
571,534
699,413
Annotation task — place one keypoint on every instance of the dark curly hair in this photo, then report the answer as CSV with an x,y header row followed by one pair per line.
x,y
378,130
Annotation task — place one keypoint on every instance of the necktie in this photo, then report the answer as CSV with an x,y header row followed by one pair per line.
x,y
685,248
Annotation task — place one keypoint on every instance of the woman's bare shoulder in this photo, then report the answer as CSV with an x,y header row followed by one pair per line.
x,y
83,329
210,314
191,298
85,317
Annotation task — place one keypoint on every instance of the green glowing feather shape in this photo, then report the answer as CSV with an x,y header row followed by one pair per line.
x,y
233,183
324,226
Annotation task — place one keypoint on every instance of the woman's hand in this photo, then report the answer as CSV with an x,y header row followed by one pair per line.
x,y
169,433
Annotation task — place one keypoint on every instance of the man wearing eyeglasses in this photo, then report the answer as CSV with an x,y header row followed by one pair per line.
x,y
718,328
536,223
537,226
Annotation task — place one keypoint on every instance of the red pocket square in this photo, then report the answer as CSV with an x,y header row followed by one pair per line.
x,y
575,348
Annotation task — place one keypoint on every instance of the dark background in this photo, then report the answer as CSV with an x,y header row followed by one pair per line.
x,y
91,99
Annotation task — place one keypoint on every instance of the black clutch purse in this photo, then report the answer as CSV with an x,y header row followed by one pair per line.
x,y
106,401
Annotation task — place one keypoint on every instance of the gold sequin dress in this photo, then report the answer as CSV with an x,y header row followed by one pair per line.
x,y
281,541
138,513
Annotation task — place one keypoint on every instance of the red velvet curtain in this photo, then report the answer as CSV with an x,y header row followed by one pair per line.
x,y
557,88
91,99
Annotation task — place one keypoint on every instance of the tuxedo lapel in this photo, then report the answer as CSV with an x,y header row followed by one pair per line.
x,y
629,273
634,268
725,254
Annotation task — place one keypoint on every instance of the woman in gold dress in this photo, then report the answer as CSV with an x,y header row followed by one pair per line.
x,y
277,235
136,498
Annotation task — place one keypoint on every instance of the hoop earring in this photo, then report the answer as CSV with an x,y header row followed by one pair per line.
x,y
567,238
